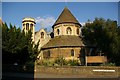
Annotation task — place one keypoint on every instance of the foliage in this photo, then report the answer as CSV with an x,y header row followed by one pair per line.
x,y
58,62
17,46
61,61
104,34
45,63
108,64
73,62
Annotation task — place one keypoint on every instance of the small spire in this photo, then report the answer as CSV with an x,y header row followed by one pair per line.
x,y
65,2
65,7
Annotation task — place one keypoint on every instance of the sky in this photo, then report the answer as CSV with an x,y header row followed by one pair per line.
x,y
46,13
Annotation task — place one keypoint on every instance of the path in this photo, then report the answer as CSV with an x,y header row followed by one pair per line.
x,y
46,76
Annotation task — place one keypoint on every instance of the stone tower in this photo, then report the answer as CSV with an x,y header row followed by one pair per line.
x,y
66,24
29,24
66,42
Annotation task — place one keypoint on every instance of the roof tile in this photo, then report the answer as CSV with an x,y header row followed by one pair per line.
x,y
66,17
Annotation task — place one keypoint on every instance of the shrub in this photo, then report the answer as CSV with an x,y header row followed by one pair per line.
x,y
45,63
73,63
61,61
108,64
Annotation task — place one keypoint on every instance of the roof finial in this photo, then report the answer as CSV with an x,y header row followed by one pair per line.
x,y
65,6
65,3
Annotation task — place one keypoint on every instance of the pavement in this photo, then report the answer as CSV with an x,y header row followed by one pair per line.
x,y
46,76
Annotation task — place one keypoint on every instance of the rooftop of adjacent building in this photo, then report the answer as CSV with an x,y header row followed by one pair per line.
x,y
28,19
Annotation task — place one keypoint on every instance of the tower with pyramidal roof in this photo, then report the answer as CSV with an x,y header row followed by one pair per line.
x,y
66,24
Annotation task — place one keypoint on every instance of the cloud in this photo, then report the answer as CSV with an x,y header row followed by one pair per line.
x,y
82,23
45,21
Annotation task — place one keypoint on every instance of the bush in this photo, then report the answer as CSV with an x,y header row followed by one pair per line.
x,y
108,64
45,63
73,63
61,61
58,62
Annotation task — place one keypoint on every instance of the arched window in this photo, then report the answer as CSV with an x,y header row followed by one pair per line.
x,y
42,34
72,52
27,26
77,31
58,31
31,27
69,30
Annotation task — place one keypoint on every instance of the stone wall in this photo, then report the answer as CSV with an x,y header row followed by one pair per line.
x,y
43,40
63,52
80,70
63,27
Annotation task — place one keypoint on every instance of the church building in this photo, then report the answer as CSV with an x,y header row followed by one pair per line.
x,y
65,41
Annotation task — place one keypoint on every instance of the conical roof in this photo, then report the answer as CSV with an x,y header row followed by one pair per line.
x,y
66,17
64,41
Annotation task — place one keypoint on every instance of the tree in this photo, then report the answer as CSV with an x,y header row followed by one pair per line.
x,y
17,46
104,35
